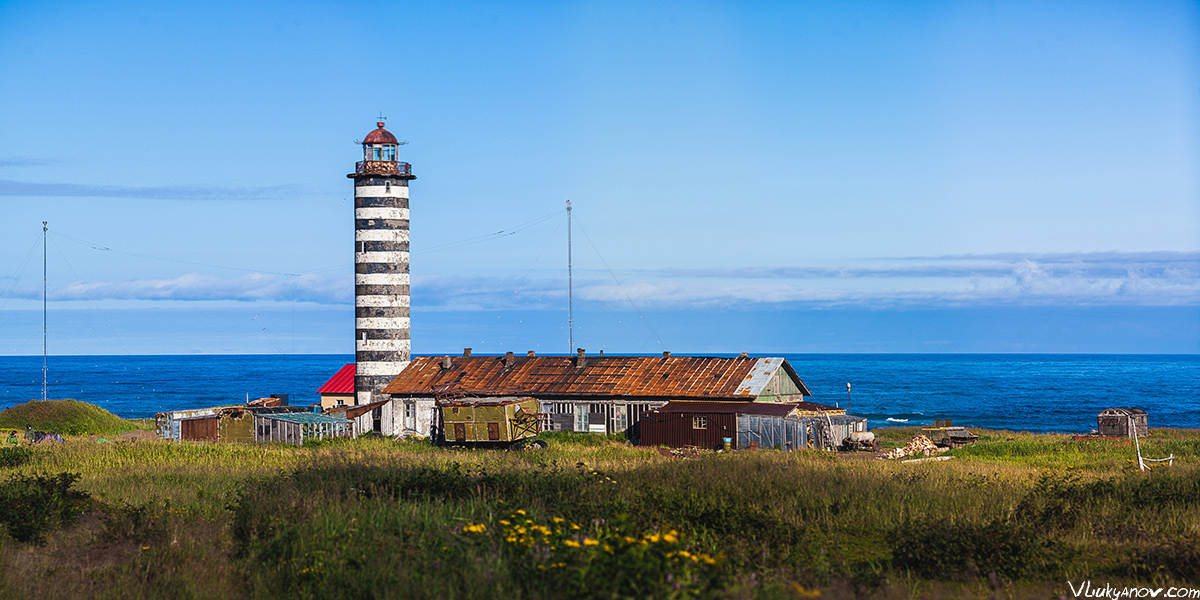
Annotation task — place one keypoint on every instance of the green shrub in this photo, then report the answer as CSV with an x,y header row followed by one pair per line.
x,y
31,506
942,548
13,457
1178,559
141,522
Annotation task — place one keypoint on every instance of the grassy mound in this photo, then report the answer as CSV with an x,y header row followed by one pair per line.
x,y
66,417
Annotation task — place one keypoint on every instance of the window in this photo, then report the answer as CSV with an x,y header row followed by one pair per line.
x,y
620,419
699,422
581,418
387,188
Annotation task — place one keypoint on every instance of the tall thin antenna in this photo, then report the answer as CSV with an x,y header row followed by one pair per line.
x,y
44,310
570,289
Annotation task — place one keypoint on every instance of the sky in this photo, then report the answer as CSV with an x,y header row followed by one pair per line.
x,y
779,177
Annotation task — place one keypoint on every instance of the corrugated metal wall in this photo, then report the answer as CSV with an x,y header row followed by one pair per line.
x,y
676,430
198,430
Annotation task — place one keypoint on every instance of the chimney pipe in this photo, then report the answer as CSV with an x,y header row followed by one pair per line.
x,y
743,355
446,364
466,353
579,359
509,360
529,353
666,355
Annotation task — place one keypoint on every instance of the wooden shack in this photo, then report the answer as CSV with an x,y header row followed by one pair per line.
x,y
1122,422
169,423
227,424
377,417
780,425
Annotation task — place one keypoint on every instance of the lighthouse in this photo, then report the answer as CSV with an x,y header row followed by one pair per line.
x,y
381,284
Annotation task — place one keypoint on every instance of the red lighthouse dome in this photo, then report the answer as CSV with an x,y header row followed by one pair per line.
x,y
380,136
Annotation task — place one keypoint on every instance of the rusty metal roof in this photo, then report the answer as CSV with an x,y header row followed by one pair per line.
x,y
342,382
814,407
380,136
708,377
355,411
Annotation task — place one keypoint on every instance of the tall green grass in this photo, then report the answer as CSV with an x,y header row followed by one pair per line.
x,y
1018,513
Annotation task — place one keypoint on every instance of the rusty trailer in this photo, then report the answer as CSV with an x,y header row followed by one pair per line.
x,y
489,422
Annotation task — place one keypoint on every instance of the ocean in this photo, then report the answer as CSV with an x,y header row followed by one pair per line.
x,y
1022,392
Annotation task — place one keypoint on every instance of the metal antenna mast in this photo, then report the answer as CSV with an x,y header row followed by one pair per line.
x,y
43,310
570,289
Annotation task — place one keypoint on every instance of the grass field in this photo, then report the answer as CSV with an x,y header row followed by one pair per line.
x,y
1012,516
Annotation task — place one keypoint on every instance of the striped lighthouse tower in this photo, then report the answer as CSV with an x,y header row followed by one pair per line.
x,y
381,327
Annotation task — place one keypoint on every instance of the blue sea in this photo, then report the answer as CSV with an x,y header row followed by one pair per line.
x,y
1023,392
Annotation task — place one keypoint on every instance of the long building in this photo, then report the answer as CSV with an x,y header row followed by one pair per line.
x,y
599,394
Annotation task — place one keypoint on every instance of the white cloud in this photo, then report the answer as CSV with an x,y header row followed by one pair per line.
x,y
1132,279
1169,279
9,187
197,287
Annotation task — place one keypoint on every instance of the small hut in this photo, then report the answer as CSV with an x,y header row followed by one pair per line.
x,y
229,424
339,390
1122,422
783,425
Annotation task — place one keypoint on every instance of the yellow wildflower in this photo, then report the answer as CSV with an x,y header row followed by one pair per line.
x,y
574,526
521,511
559,520
503,522
799,589
670,539
571,543
590,542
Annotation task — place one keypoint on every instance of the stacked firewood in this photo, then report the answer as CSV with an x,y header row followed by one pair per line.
x,y
918,445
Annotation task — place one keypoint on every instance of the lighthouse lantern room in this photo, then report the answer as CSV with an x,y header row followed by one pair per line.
x,y
381,281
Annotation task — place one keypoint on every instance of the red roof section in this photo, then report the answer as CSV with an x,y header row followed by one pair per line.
x,y
341,383
541,376
380,136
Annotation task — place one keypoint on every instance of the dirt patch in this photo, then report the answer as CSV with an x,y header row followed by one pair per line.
x,y
137,436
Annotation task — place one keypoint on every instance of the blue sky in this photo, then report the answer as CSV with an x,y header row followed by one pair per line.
x,y
805,177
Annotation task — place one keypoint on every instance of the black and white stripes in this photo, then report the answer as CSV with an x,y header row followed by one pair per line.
x,y
381,284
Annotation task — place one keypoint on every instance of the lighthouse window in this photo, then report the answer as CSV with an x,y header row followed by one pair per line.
x,y
375,152
387,187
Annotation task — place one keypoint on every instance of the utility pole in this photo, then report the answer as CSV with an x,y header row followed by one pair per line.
x,y
570,289
44,288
